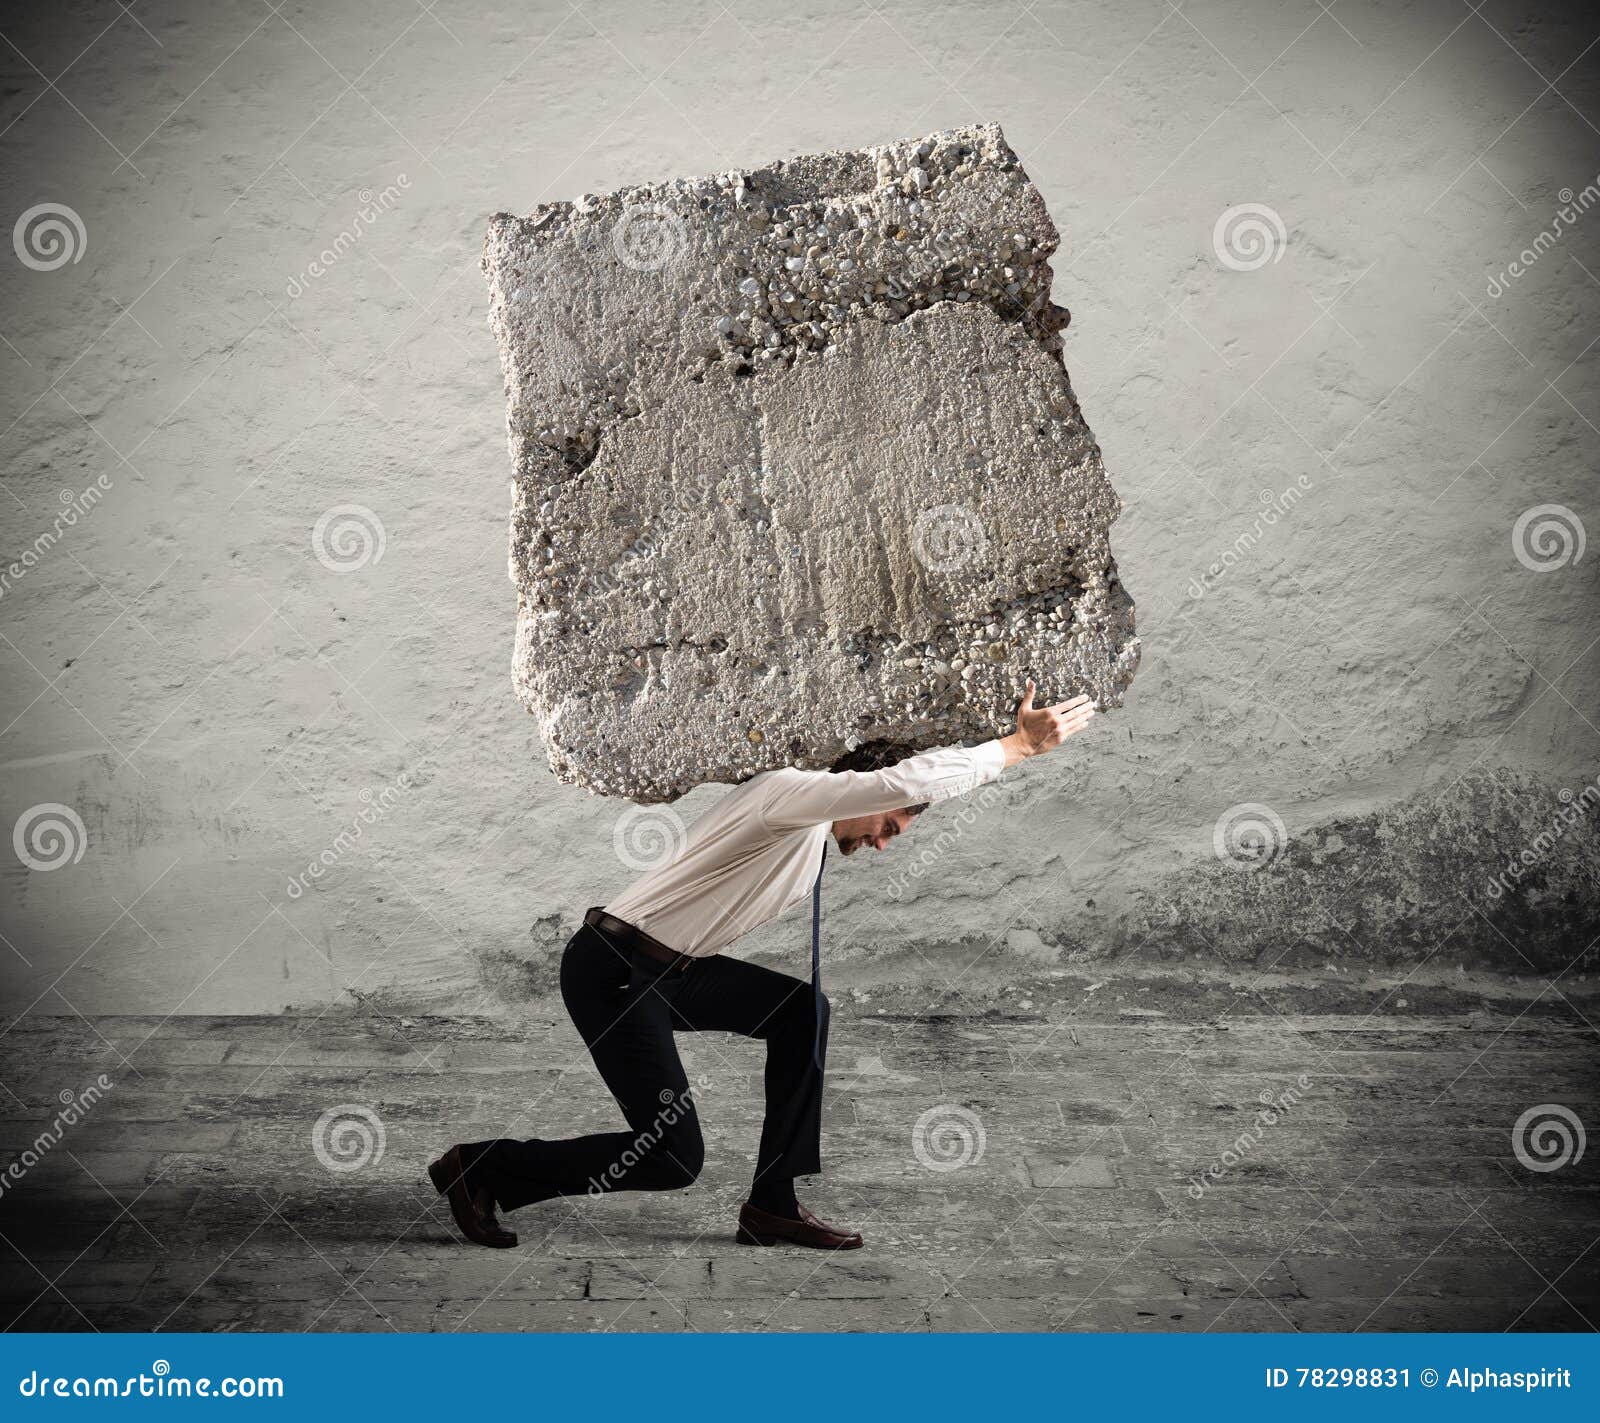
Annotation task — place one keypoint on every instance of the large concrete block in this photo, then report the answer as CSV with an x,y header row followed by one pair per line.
x,y
797,465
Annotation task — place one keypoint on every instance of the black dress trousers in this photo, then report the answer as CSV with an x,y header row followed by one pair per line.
x,y
626,1007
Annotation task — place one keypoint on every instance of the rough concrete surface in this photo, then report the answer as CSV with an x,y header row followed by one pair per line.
x,y
797,466
305,779
1157,1157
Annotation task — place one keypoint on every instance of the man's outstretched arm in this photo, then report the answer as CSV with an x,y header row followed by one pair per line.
x,y
811,797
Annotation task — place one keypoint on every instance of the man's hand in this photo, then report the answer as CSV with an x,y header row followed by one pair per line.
x,y
1041,729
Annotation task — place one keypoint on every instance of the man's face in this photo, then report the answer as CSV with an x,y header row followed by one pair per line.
x,y
875,831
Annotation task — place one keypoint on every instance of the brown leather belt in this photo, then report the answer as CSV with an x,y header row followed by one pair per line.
x,y
624,934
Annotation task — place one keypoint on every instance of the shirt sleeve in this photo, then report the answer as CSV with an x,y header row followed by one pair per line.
x,y
801,798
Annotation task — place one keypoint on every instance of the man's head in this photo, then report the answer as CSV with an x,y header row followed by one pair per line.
x,y
879,829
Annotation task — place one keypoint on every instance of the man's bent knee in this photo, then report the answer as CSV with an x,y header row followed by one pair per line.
x,y
672,1160
677,1161
801,1006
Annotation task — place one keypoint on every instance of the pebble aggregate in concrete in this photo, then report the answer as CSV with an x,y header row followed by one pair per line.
x,y
797,464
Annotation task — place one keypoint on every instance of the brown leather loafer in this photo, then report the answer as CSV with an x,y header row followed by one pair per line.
x,y
759,1227
472,1206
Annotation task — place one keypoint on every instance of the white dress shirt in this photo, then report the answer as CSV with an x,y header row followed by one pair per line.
x,y
756,852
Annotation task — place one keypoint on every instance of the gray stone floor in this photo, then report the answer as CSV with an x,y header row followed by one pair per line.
x,y
1386,1197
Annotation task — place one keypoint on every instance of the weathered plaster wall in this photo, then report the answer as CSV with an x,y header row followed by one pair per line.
x,y
1347,424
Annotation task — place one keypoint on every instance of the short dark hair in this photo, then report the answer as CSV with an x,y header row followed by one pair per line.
x,y
877,756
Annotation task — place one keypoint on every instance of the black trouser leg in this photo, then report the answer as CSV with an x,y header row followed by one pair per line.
x,y
626,1007
730,995
627,1028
